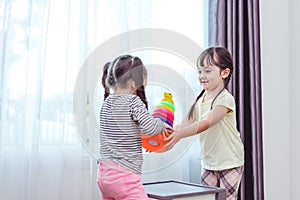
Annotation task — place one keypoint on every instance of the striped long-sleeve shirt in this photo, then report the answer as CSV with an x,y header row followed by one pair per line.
x,y
122,118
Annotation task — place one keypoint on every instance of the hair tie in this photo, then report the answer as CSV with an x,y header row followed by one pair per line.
x,y
111,78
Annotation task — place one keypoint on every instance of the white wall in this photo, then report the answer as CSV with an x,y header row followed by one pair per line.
x,y
280,32
294,97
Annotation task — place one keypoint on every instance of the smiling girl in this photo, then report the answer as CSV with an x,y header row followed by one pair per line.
x,y
213,117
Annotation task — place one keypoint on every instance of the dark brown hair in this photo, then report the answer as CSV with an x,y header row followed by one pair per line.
x,y
122,69
104,76
220,57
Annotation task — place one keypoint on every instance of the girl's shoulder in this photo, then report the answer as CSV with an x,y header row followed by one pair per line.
x,y
127,99
123,96
226,93
225,98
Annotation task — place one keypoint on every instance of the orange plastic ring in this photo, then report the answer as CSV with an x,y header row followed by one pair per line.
x,y
154,143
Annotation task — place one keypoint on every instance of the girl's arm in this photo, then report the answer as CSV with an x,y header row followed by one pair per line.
x,y
187,121
214,116
149,124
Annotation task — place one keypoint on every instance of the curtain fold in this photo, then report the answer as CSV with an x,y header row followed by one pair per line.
x,y
234,24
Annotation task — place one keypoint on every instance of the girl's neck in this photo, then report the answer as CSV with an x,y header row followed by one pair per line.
x,y
120,90
213,93
128,88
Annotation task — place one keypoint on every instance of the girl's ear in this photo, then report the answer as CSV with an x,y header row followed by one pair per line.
x,y
132,84
225,73
145,82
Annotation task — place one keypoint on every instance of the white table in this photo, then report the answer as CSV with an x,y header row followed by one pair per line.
x,y
177,190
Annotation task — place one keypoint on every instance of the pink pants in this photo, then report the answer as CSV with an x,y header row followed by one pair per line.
x,y
117,182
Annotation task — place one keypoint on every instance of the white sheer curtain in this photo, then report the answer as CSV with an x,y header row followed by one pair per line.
x,y
42,47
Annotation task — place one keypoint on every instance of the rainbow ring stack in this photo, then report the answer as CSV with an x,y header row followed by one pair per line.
x,y
165,112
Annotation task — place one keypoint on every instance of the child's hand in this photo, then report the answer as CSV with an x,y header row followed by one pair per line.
x,y
168,130
173,139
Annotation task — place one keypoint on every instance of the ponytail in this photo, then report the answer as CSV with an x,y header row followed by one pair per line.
x,y
104,77
192,109
213,101
141,93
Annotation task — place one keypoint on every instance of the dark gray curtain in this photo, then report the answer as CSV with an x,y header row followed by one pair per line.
x,y
234,24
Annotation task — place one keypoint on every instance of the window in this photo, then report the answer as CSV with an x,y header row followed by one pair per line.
x,y
45,44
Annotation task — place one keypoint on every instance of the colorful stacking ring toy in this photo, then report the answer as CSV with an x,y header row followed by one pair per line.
x,y
165,112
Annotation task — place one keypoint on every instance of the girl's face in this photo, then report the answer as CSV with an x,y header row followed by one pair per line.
x,y
211,77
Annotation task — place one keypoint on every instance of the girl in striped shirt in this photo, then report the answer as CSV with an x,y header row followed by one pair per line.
x,y
123,116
